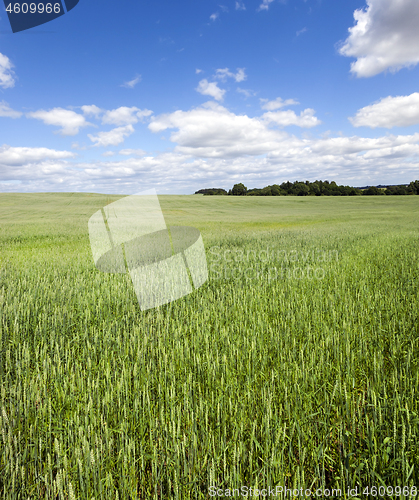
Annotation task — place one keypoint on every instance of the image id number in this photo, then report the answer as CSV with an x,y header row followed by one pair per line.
x,y
33,8
382,491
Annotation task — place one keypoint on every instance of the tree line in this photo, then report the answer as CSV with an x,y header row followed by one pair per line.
x,y
317,188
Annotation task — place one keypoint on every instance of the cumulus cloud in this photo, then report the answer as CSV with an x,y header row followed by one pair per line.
x,y
224,73
197,71
213,131
20,156
214,16
132,83
277,103
7,76
400,111
69,121
385,36
7,111
210,88
306,119
91,110
240,6
112,137
125,116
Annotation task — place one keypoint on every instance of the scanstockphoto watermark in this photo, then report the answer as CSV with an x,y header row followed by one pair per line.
x,y
284,492
277,491
270,264
218,254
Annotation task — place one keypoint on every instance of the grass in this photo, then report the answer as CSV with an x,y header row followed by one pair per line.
x,y
296,364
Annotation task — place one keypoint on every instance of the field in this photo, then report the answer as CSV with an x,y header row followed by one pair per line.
x,y
295,365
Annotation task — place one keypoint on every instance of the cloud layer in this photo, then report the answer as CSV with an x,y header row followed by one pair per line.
x,y
213,146
281,157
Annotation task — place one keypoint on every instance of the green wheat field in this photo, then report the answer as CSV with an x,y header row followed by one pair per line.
x,y
295,364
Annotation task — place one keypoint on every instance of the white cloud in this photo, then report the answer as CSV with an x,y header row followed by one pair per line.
x,y
197,71
19,156
217,161
224,8
132,83
132,152
125,116
69,121
211,89
377,147
277,103
240,6
286,118
121,116
91,110
265,4
113,137
214,16
385,36
212,131
213,146
144,113
7,111
7,76
400,111
224,73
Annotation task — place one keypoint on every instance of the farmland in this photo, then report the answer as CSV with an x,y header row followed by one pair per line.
x,y
295,364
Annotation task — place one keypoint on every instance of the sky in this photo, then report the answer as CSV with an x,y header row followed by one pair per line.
x,y
125,96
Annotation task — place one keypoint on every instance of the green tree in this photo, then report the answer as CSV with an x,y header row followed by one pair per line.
x,y
414,187
372,191
396,190
239,190
275,190
300,189
266,191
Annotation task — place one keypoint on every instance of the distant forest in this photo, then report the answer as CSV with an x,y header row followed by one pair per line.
x,y
317,188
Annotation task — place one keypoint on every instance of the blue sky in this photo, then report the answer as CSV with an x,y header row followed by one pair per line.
x,y
120,97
